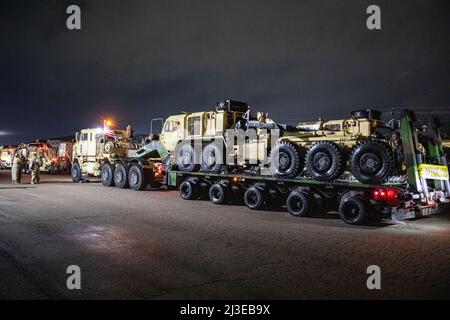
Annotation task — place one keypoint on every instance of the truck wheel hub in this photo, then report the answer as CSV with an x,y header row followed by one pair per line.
x,y
119,176
133,178
284,161
322,161
370,163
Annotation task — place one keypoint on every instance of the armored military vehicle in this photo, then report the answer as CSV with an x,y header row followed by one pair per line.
x,y
200,140
99,150
6,157
361,144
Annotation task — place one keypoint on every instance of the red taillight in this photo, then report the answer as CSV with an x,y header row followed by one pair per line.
x,y
389,195
158,170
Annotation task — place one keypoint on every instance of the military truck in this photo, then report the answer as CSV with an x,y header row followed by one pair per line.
x,y
424,190
6,157
201,140
362,144
97,151
63,160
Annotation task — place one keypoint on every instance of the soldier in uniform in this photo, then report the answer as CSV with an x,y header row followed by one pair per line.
x,y
23,163
35,166
15,168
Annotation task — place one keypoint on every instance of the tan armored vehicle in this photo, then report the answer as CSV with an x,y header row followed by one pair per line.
x,y
6,157
198,140
362,144
97,151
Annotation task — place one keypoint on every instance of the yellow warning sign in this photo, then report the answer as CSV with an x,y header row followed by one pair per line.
x,y
433,171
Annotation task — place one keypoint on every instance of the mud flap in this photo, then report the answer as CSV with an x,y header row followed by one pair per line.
x,y
398,214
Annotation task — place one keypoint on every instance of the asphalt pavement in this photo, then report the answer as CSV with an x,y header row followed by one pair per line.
x,y
154,245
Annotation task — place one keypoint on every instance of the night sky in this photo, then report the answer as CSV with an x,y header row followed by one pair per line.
x,y
137,60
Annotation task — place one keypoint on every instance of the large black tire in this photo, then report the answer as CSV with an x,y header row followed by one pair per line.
x,y
136,178
188,190
75,172
299,203
121,176
324,160
372,162
254,198
219,193
212,157
354,210
186,158
107,175
290,162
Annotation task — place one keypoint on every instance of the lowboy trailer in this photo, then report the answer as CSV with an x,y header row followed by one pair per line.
x,y
424,190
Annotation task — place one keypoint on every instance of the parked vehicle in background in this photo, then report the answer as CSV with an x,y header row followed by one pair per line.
x,y
42,149
6,154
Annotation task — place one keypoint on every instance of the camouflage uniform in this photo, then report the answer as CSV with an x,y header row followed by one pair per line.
x,y
23,162
16,167
35,166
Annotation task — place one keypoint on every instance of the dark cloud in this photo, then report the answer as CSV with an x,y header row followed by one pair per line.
x,y
137,60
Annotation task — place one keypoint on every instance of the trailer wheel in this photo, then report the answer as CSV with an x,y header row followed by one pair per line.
x,y
218,193
186,158
121,176
188,191
107,175
136,178
212,157
75,172
299,203
354,210
254,198
324,161
372,162
289,160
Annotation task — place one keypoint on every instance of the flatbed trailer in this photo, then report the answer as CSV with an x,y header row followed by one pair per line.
x,y
425,189
356,202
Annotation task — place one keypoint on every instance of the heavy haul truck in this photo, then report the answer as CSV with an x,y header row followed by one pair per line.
x,y
422,189
98,151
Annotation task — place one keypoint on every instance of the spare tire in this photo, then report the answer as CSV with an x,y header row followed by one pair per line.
x,y
289,160
372,162
324,160
107,175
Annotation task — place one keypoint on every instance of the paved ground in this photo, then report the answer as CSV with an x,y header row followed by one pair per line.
x,y
152,244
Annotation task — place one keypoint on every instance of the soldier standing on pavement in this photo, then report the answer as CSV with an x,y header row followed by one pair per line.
x,y
23,163
15,168
35,166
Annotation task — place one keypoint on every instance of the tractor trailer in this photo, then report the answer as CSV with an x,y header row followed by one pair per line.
x,y
171,159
